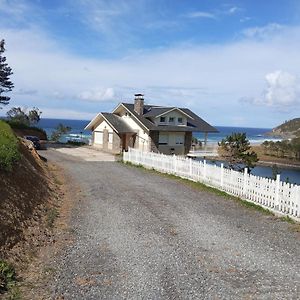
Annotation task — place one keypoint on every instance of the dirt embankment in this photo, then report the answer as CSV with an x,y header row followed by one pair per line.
x,y
21,132
28,196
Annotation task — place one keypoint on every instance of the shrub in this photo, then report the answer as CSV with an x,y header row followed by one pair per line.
x,y
9,152
18,125
7,276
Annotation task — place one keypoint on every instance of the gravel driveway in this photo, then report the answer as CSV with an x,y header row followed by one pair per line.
x,y
143,236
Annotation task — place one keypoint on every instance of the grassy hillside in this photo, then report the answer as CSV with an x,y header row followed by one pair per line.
x,y
9,147
288,129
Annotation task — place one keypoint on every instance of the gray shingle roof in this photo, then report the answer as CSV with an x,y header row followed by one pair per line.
x,y
156,111
195,124
117,122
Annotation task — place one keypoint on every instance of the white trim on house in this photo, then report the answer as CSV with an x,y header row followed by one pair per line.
x,y
121,104
88,126
175,108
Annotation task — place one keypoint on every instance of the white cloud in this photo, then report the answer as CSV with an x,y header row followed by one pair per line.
x,y
98,95
58,113
201,14
233,10
282,92
264,31
209,79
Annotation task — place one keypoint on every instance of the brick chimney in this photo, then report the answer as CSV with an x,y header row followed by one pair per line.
x,y
139,104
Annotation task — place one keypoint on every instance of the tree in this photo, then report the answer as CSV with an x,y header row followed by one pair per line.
x,y
34,116
59,131
235,149
21,116
18,115
5,71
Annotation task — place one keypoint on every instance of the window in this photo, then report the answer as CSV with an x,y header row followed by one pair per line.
x,y
163,139
171,120
180,120
110,138
162,119
179,139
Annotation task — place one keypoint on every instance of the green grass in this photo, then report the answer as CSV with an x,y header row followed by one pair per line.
x,y
9,147
202,187
7,276
288,219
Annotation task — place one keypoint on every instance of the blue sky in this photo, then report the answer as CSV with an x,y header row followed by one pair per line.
x,y
235,63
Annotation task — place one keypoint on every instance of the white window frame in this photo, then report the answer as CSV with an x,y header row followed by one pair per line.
x,y
163,139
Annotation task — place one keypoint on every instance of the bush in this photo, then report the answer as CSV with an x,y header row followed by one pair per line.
x,y
76,143
18,125
9,152
7,276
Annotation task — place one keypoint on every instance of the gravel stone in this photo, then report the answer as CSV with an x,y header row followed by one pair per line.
x,y
139,235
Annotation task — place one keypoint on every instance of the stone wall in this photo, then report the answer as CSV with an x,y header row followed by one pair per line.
x,y
105,139
187,142
116,143
154,136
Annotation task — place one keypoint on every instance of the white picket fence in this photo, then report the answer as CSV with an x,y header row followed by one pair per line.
x,y
274,195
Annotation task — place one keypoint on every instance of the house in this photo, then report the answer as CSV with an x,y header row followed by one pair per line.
x,y
146,127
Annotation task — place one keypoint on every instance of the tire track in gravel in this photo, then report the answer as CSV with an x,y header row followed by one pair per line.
x,y
143,236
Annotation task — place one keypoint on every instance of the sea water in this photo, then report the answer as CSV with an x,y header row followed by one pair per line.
x,y
254,135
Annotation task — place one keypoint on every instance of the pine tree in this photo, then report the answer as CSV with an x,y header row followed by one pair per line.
x,y
5,71
235,149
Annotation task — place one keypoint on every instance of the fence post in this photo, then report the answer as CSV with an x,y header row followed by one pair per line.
x,y
129,156
277,191
191,168
245,180
222,175
204,169
175,163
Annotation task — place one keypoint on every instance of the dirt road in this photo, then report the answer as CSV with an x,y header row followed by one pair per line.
x,y
138,235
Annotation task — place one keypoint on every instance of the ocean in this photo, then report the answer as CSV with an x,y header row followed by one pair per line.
x,y
254,135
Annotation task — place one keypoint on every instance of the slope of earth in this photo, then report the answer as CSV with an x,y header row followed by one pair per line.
x,y
28,200
289,129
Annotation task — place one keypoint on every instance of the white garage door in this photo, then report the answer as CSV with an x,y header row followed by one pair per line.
x,y
98,138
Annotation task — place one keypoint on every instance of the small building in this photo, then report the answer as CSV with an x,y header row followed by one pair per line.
x,y
147,127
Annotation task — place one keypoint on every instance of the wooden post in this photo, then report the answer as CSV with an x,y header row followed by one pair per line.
x,y
245,180
175,163
277,203
204,169
191,168
222,175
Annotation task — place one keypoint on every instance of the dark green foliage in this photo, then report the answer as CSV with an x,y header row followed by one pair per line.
x,y
275,171
286,148
21,116
5,71
34,116
18,115
9,152
7,276
235,149
17,125
59,131
76,143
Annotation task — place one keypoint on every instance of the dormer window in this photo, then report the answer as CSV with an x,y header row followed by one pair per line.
x,y
180,121
162,119
171,120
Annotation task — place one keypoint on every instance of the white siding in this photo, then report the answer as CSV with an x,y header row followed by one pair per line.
x,y
175,114
142,139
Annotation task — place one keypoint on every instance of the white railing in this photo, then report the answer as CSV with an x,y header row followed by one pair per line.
x,y
275,195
